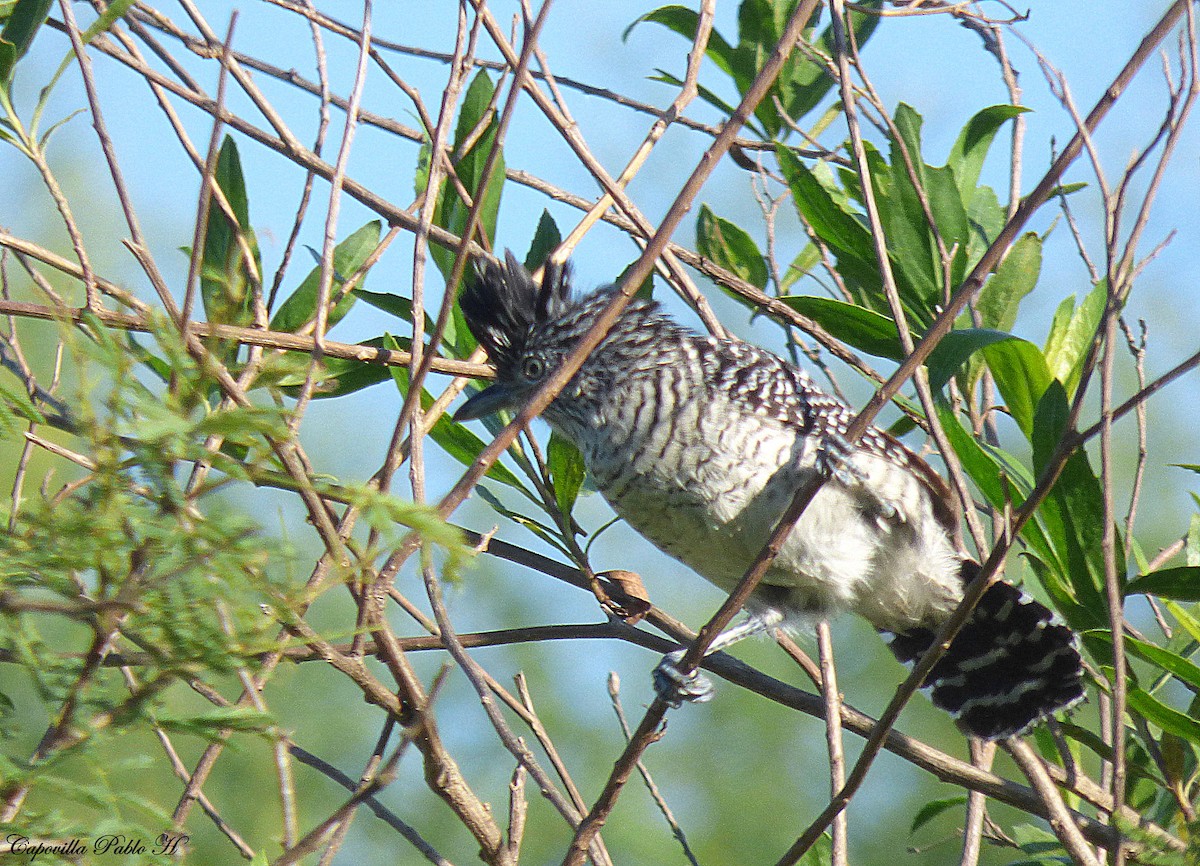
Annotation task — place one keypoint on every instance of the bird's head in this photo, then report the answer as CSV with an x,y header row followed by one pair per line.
x,y
521,323
528,327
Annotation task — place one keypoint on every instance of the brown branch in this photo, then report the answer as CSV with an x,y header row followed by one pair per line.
x,y
247,336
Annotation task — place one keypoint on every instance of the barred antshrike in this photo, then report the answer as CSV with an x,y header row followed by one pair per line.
x,y
700,443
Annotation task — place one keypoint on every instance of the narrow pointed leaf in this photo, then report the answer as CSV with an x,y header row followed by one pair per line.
x,y
932,809
856,326
453,438
545,240
1016,277
730,246
1181,583
1071,332
17,36
683,21
301,306
567,472
225,280
1019,369
1179,667
971,148
1166,717
452,211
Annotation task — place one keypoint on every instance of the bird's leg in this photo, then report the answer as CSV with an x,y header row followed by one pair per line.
x,y
674,686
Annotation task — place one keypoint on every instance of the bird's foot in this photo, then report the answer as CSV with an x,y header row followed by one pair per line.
x,y
674,686
835,460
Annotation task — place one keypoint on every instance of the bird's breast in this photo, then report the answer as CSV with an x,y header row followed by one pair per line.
x,y
701,481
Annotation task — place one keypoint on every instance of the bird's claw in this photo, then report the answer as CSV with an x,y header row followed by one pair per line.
x,y
674,686
835,460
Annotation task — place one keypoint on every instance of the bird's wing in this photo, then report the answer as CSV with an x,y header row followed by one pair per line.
x,y
764,384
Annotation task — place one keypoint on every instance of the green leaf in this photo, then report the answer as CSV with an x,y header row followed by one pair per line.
x,y
1181,583
954,350
1017,365
18,402
731,247
1167,718
453,438
802,82
401,307
1071,332
820,853
8,59
452,211
1091,741
1073,511
567,471
1087,738
646,290
683,21
225,280
911,242
548,534
213,723
1192,547
348,256
711,98
857,326
759,23
980,466
1181,668
986,218
932,809
807,259
806,81
464,446
1049,424
1013,280
971,147
831,220
1062,189
1003,480
343,376
1190,622
58,124
17,36
105,20
395,305
1022,377
545,241
102,23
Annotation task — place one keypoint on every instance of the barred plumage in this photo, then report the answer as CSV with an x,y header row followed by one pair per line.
x,y
700,444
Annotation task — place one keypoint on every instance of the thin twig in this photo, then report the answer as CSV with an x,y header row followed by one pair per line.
x,y
833,740
614,694
1061,821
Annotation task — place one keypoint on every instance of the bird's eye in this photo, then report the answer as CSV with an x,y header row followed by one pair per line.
x,y
533,368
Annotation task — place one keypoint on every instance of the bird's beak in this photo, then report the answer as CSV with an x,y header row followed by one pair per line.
x,y
490,400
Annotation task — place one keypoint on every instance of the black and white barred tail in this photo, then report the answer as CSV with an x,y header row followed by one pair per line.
x,y
1012,664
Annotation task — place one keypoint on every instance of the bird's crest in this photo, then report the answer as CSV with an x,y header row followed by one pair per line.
x,y
503,304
